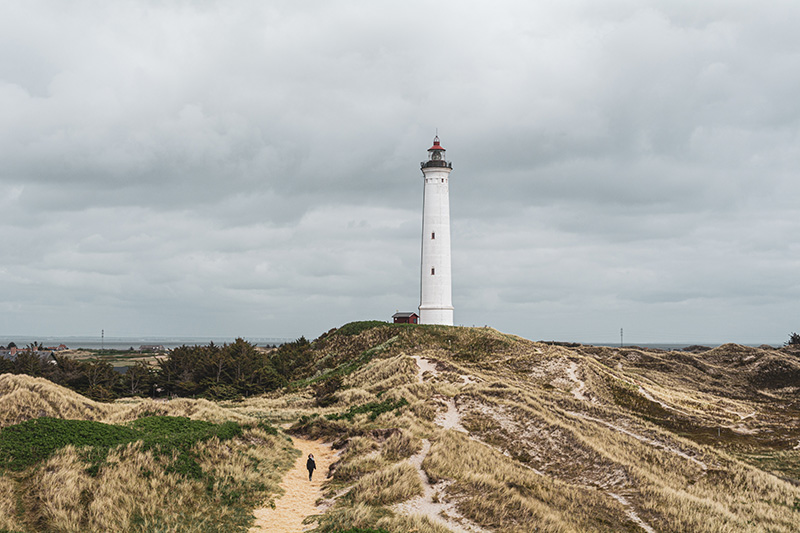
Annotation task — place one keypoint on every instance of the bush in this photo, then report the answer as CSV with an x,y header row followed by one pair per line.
x,y
373,408
325,390
222,391
33,441
354,328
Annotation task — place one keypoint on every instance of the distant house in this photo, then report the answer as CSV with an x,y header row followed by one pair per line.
x,y
59,348
406,318
152,348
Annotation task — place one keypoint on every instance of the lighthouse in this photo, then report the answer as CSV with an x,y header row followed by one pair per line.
x,y
436,295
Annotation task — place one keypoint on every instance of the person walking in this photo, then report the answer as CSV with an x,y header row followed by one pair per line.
x,y
311,465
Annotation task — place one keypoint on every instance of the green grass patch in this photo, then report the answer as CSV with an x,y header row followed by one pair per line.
x,y
31,442
354,328
373,408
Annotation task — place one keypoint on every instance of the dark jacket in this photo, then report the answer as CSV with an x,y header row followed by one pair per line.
x,y
310,464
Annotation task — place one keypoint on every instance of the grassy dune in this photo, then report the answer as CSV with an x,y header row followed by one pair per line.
x,y
502,433
137,466
573,439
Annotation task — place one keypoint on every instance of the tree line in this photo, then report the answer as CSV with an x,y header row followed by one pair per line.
x,y
217,372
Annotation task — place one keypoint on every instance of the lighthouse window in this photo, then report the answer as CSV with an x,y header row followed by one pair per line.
x,y
433,235
433,271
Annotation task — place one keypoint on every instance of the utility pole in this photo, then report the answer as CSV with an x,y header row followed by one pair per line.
x,y
102,340
620,337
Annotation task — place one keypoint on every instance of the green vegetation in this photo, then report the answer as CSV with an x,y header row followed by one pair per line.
x,y
26,444
794,340
508,433
373,408
228,372
354,328
156,473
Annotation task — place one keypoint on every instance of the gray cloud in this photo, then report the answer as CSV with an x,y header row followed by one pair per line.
x,y
225,169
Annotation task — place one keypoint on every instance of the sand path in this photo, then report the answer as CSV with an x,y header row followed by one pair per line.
x,y
300,495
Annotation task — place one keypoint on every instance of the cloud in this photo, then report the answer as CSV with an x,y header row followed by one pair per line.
x,y
223,169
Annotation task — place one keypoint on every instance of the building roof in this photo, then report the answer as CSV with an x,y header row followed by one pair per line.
x,y
404,315
436,145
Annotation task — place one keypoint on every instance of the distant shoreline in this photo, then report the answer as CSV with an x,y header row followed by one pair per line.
x,y
124,343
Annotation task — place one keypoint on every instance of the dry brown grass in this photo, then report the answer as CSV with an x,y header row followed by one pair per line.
x,y
394,484
7,504
364,516
588,445
497,492
383,374
401,445
25,397
8,519
553,432
135,489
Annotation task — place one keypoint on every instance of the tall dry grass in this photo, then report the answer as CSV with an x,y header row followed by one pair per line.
x,y
364,516
136,491
24,397
497,492
401,445
391,485
8,507
133,488
522,413
383,374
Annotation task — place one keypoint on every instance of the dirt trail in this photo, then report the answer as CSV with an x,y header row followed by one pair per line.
x,y
300,495
440,512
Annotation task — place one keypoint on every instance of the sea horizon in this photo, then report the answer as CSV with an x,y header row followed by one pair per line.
x,y
75,342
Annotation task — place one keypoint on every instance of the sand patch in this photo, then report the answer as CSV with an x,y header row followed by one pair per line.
x,y
300,495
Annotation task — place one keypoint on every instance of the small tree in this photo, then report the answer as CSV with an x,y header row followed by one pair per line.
x,y
794,340
138,379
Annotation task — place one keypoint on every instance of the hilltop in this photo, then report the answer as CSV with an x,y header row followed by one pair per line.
x,y
469,429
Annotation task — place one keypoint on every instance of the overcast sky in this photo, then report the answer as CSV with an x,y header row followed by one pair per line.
x,y
219,168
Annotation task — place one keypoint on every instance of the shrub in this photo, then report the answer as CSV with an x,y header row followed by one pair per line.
x,y
31,442
325,390
354,328
373,408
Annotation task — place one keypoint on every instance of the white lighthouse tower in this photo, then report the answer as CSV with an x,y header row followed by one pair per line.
x,y
436,295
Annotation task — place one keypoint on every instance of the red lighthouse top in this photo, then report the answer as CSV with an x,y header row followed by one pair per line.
x,y
436,145
436,156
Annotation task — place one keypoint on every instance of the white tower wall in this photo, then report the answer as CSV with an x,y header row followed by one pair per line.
x,y
436,304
